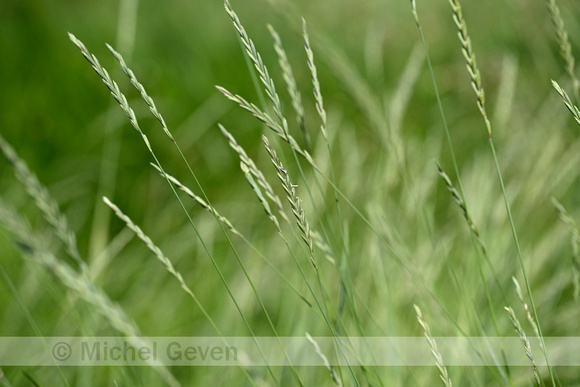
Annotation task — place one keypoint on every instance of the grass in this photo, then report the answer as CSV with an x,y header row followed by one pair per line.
x,y
308,203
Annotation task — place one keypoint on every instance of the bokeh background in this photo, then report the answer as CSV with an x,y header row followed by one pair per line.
x,y
61,119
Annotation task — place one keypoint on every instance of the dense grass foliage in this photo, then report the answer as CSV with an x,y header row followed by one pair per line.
x,y
374,170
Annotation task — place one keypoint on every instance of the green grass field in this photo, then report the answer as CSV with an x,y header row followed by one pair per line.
x,y
344,173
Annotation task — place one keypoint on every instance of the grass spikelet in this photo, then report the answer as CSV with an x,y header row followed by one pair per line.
x,y
198,199
434,350
323,246
470,60
575,240
259,114
112,86
255,171
268,121
324,359
141,89
567,101
150,245
315,82
44,202
459,201
295,201
256,59
260,196
518,328
525,305
290,81
415,15
319,102
564,44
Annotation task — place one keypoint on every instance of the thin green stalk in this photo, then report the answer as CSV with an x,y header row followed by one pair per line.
x,y
439,103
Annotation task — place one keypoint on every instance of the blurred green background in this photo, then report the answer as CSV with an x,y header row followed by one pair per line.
x,y
61,119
